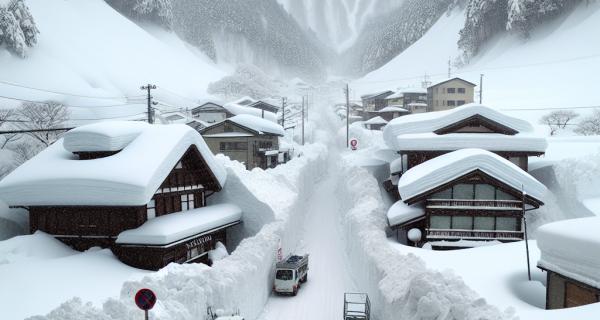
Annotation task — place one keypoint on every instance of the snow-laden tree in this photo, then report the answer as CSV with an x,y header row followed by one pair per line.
x,y
43,116
558,118
26,22
247,80
17,27
589,126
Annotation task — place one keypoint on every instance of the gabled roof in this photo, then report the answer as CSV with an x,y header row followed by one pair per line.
x,y
380,95
208,106
253,124
376,120
56,177
241,107
261,104
441,171
450,79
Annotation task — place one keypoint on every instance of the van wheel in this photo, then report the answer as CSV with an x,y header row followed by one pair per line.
x,y
295,292
305,278
299,285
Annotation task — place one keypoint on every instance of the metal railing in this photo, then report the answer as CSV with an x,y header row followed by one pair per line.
x,y
475,234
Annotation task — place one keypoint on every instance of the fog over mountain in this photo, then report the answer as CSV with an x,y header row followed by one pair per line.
x,y
337,22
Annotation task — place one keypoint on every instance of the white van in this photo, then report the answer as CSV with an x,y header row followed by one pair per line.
x,y
290,274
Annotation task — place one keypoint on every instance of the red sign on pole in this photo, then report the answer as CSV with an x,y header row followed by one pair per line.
x,y
145,299
353,144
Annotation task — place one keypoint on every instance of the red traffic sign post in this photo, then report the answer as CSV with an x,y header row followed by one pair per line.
x,y
145,300
353,144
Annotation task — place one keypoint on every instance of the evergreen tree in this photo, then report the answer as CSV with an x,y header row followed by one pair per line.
x,y
17,28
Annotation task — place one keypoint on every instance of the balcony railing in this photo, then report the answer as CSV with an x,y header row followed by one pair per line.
x,y
453,234
474,203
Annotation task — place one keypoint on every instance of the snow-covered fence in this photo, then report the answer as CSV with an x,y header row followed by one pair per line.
x,y
273,203
399,286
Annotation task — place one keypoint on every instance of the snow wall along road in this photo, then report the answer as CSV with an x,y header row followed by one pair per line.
x,y
273,203
399,286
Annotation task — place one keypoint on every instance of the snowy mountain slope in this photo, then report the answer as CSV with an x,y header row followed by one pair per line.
x,y
87,48
337,22
557,67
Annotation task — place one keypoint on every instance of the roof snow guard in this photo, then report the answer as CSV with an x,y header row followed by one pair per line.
x,y
441,170
56,177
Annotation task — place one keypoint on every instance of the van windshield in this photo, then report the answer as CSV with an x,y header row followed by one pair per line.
x,y
284,275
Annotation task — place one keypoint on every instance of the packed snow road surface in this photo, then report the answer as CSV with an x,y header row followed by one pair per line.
x,y
322,296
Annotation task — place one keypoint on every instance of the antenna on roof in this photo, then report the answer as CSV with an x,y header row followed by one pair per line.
x,y
425,83
449,67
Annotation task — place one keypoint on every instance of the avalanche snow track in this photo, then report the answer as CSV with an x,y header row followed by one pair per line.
x,y
322,296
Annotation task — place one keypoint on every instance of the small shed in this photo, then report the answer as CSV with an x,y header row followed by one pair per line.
x,y
375,123
570,254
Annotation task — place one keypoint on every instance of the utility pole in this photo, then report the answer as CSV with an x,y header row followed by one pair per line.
x,y
149,87
481,88
449,67
303,120
525,223
347,116
283,112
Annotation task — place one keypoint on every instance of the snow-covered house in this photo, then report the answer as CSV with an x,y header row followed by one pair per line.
x,y
243,106
405,96
449,93
424,136
211,112
264,106
391,112
101,180
247,139
373,102
375,123
570,254
468,195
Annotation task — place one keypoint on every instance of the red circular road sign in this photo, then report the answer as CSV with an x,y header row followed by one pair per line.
x,y
353,142
145,299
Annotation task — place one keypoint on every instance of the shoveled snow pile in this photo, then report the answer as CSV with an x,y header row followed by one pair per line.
x,y
399,286
218,253
107,136
258,124
572,248
239,107
129,178
450,166
454,141
579,177
400,212
179,225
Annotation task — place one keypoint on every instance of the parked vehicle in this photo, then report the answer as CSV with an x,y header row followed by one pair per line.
x,y
290,273
357,306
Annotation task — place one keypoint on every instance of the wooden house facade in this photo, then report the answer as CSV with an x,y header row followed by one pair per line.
x,y
211,113
94,190
245,142
372,103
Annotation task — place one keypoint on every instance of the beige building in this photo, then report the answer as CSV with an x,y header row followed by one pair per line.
x,y
250,140
449,93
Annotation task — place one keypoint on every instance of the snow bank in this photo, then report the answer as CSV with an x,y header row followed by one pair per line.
x,y
38,246
218,253
579,177
273,205
572,248
129,178
399,286
176,226
450,166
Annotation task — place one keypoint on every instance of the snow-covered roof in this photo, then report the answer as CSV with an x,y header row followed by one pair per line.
x,y
105,136
417,104
258,124
450,79
432,121
400,212
572,248
393,109
227,135
180,225
375,94
455,141
396,95
239,107
445,168
56,177
414,90
376,120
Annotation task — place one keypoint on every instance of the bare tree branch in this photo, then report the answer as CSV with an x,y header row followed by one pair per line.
x,y
43,116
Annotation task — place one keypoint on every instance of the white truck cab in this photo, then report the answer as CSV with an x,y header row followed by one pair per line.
x,y
290,274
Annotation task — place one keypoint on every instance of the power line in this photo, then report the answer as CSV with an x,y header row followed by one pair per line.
x,y
131,115
63,93
37,130
491,68
111,106
542,109
171,92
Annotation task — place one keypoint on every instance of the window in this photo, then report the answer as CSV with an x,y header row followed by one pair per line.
x,y
463,191
462,222
284,275
461,90
443,103
460,102
234,146
187,202
446,194
506,223
500,195
483,223
151,209
443,90
437,90
440,222
437,103
451,103
484,192
451,90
